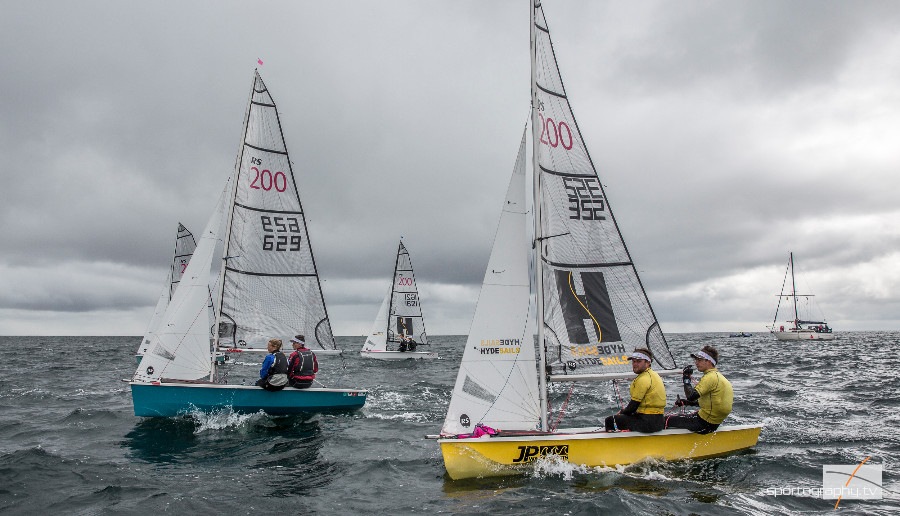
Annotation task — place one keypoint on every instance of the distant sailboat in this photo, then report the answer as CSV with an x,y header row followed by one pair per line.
x,y
268,287
184,248
592,311
797,328
400,318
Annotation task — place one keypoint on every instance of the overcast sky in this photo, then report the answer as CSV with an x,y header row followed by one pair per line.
x,y
728,134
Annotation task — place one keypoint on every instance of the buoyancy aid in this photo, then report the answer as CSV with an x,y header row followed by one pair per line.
x,y
303,365
280,366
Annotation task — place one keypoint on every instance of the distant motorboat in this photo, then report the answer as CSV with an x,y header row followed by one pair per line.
x,y
741,334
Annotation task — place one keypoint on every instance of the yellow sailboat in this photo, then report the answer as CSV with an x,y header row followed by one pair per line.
x,y
498,455
590,305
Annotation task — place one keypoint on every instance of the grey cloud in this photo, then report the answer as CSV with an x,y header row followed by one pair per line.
x,y
707,122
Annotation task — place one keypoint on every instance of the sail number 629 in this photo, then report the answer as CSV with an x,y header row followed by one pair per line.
x,y
273,240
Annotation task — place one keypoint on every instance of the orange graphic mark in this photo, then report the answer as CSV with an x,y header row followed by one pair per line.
x,y
599,333
851,478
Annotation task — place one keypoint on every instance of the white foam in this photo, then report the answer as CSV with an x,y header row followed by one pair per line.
x,y
226,418
406,416
553,465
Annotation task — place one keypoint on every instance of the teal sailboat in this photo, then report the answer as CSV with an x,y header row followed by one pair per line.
x,y
267,287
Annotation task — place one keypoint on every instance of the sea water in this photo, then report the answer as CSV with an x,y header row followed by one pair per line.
x,y
70,443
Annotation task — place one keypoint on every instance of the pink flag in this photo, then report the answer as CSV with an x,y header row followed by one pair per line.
x,y
259,61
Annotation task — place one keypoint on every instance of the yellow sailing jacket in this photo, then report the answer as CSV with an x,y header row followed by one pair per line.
x,y
648,389
716,396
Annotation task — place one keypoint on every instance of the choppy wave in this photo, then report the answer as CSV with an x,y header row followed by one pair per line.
x,y
72,444
226,418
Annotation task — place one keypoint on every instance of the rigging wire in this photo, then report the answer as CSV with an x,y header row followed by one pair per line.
x,y
783,283
563,409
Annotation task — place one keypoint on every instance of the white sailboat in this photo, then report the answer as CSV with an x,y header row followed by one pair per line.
x,y
184,249
400,318
267,287
797,328
590,305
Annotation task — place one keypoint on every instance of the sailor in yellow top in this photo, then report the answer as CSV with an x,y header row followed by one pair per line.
x,y
644,413
713,394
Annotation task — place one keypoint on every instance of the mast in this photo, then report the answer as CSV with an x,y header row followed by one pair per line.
x,y
412,273
391,300
221,287
794,293
538,230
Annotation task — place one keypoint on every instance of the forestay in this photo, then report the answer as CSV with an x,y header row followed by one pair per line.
x,y
270,286
595,310
180,348
184,248
497,380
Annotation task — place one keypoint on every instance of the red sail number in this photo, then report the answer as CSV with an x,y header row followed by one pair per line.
x,y
552,133
267,180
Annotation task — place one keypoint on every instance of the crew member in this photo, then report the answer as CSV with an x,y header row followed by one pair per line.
x,y
411,344
273,375
302,366
713,394
644,413
402,347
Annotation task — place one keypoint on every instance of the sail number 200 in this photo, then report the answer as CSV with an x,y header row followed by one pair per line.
x,y
265,180
552,133
274,239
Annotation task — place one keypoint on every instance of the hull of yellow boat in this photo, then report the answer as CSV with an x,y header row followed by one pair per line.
x,y
496,456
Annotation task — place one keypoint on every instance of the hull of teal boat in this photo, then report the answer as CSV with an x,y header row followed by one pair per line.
x,y
173,399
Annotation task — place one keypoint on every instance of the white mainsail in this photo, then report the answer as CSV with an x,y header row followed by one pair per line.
x,y
269,283
180,347
497,380
595,310
184,248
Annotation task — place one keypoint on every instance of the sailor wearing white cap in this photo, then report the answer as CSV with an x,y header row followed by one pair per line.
x,y
644,413
713,395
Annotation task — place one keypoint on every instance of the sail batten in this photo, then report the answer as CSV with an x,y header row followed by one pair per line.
x,y
251,208
238,271
273,151
559,378
551,92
